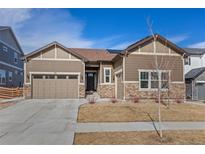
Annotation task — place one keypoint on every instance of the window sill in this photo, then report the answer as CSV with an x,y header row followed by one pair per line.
x,y
141,89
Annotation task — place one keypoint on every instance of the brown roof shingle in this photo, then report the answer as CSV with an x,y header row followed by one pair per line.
x,y
94,54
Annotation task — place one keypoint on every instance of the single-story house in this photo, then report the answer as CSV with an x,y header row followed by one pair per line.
x,y
55,71
195,84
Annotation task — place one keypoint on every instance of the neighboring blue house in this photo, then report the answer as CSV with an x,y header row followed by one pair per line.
x,y
11,64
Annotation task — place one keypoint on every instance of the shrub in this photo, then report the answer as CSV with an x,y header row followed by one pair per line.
x,y
179,101
91,100
114,100
161,101
136,99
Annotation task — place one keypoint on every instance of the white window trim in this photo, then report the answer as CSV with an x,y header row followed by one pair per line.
x,y
1,83
107,68
11,47
187,61
5,48
149,80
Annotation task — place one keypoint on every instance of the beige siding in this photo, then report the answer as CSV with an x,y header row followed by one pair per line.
x,y
49,53
135,62
53,66
73,57
120,86
117,65
62,54
54,52
149,48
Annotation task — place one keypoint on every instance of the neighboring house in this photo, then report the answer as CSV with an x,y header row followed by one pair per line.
x,y
194,73
195,59
55,71
11,54
195,84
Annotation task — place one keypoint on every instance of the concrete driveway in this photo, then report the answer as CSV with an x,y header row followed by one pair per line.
x,y
39,122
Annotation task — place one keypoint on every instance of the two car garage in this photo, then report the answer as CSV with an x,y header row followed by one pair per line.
x,y
55,86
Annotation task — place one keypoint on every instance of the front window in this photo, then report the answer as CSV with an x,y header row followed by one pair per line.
x,y
188,61
164,80
144,76
5,49
107,75
10,76
15,57
153,80
2,77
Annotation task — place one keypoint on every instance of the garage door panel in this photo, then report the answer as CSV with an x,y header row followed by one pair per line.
x,y
41,88
52,89
61,88
72,89
57,88
201,91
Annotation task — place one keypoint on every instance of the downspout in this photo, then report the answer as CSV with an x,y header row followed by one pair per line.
x,y
123,68
184,77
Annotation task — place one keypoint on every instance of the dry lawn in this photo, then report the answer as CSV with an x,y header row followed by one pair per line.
x,y
150,137
129,112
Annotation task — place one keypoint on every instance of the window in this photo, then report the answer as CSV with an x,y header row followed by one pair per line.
x,y
38,76
164,80
188,61
73,77
10,76
16,72
107,75
15,57
144,77
5,49
2,77
152,80
61,77
49,76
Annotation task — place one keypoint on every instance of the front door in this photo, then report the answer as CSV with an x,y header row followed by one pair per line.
x,y
91,76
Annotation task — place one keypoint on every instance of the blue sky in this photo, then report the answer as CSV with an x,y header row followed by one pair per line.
x,y
103,28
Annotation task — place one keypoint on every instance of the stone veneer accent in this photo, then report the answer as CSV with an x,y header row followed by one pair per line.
x,y
81,91
106,91
177,91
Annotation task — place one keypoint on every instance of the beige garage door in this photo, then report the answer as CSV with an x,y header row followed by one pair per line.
x,y
120,89
55,86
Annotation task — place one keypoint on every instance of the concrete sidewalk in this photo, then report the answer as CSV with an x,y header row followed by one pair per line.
x,y
137,126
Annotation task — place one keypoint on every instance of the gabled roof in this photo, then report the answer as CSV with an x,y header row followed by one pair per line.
x,y
195,51
150,38
94,55
194,73
12,33
51,44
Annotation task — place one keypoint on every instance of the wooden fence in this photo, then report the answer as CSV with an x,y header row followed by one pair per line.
x,y
8,93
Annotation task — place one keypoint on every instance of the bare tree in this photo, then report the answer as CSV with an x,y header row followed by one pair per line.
x,y
162,81
157,71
